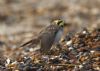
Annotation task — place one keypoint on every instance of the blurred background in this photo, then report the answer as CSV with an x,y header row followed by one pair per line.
x,y
20,20
29,15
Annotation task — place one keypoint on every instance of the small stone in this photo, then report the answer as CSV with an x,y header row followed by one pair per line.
x,y
80,66
69,43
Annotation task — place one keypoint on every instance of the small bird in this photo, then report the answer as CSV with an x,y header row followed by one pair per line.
x,y
48,36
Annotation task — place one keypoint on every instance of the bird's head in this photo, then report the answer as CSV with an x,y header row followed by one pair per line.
x,y
60,23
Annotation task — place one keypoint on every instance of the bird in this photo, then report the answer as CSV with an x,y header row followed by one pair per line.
x,y
48,36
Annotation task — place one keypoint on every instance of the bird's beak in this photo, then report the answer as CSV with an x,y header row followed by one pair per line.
x,y
67,24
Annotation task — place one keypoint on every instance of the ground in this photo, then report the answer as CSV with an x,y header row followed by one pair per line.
x,y
21,20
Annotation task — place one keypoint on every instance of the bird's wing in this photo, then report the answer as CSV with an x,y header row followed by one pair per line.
x,y
48,37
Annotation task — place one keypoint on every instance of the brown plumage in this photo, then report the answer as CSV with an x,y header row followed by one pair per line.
x,y
46,37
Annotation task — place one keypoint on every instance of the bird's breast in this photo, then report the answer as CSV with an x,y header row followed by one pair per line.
x,y
58,36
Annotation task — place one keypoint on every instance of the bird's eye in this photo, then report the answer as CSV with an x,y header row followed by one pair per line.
x,y
61,23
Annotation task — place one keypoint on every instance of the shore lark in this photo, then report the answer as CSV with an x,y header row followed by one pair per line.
x,y
48,36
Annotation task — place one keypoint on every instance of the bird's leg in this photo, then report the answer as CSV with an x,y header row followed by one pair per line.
x,y
56,47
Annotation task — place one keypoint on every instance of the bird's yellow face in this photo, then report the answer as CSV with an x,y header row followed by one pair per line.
x,y
60,23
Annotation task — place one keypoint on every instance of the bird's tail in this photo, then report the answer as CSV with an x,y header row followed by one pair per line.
x,y
31,43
